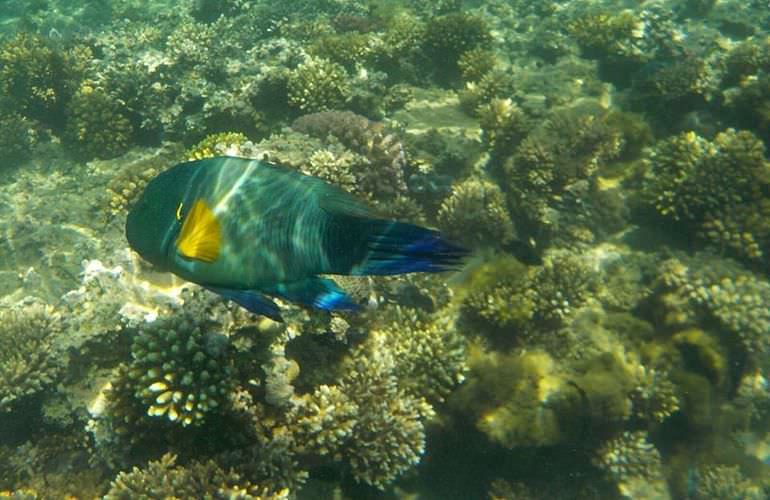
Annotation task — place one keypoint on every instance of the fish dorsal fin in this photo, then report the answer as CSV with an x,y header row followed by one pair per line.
x,y
201,234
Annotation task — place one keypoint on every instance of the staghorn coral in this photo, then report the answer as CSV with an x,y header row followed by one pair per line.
x,y
29,357
475,214
165,479
96,126
634,464
317,85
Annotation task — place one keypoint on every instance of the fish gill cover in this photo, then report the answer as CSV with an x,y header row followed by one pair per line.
x,y
605,162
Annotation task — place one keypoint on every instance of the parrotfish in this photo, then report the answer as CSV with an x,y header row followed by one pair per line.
x,y
250,230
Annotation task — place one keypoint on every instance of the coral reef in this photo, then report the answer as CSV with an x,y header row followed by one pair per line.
x,y
475,214
447,37
552,177
30,359
39,77
684,183
635,464
96,127
180,372
165,479
723,481
317,85
723,291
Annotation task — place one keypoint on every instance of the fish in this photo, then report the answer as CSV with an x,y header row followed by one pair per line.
x,y
251,231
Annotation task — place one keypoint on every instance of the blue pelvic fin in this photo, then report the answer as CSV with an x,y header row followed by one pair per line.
x,y
319,293
252,301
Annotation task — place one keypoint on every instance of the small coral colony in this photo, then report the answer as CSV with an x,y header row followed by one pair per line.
x,y
590,177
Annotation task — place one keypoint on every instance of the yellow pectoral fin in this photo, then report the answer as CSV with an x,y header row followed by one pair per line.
x,y
201,234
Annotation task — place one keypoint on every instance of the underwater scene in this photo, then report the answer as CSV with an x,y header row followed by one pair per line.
x,y
397,249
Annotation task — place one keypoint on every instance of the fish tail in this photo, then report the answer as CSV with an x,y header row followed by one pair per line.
x,y
398,247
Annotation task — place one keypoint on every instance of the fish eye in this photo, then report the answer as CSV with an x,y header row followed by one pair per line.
x,y
179,211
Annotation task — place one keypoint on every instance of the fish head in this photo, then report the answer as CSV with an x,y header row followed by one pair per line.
x,y
154,222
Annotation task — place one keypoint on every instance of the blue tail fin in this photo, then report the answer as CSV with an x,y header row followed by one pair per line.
x,y
398,247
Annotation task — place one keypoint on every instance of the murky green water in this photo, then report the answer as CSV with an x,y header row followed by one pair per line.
x,y
602,164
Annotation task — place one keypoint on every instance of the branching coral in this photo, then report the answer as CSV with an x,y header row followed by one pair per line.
x,y
222,144
317,85
18,138
39,77
552,176
165,479
475,214
724,481
516,300
720,290
447,37
634,464
503,126
29,359
377,170
96,126
388,437
180,371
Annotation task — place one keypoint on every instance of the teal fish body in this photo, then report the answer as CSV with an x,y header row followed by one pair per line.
x,y
246,228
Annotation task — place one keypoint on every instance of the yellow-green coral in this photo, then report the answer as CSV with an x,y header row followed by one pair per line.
x,y
634,464
28,358
96,126
224,143
607,34
318,84
165,479
475,214
39,77
180,372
